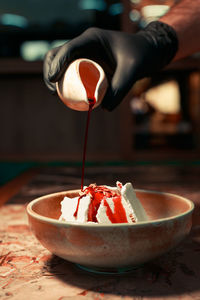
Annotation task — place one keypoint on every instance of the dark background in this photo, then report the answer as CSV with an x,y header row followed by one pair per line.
x,y
36,127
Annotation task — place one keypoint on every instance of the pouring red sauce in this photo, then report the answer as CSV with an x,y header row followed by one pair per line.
x,y
90,82
97,193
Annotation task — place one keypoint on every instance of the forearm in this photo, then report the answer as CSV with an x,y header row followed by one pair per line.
x,y
185,19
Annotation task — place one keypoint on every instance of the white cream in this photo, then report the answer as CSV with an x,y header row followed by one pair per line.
x,y
129,196
68,208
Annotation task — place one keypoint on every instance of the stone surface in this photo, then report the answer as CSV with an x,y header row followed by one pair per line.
x,y
29,271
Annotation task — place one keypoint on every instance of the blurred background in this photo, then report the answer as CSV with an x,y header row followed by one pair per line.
x,y
159,120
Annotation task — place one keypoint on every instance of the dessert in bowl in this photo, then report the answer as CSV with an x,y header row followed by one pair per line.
x,y
115,246
104,205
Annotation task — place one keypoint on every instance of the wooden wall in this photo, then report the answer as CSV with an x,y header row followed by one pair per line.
x,y
36,125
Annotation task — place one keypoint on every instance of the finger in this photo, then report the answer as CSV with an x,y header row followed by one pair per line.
x,y
51,86
46,66
77,48
89,44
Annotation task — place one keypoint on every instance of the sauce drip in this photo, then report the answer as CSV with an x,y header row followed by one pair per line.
x,y
119,214
99,194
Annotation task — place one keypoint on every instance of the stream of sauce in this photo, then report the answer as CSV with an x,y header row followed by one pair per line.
x,y
97,193
91,104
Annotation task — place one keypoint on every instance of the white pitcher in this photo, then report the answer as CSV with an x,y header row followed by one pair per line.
x,y
84,79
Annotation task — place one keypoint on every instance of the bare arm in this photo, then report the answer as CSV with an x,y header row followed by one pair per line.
x,y
184,17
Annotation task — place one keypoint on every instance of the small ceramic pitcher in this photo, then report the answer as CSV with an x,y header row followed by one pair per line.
x,y
84,79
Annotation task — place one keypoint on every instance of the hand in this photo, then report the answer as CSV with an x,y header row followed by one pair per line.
x,y
124,57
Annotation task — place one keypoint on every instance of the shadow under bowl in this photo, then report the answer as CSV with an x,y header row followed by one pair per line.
x,y
114,247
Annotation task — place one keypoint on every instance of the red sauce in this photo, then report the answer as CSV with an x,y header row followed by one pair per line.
x,y
89,75
119,214
77,207
99,194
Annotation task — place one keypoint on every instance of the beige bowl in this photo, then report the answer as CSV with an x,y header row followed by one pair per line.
x,y
116,246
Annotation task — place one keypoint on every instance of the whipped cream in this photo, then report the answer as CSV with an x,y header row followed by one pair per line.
x,y
104,205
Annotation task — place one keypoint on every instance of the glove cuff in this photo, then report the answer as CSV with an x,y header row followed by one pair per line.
x,y
165,40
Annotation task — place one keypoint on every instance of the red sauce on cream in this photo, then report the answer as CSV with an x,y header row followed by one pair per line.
x,y
91,104
99,194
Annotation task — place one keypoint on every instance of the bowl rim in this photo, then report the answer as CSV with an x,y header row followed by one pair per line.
x,y
156,222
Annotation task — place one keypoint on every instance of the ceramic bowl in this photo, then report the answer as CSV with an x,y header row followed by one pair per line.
x,y
112,247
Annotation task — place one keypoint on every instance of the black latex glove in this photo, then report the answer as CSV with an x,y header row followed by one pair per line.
x,y
124,57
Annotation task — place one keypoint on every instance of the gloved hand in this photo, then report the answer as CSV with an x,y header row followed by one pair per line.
x,y
124,57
